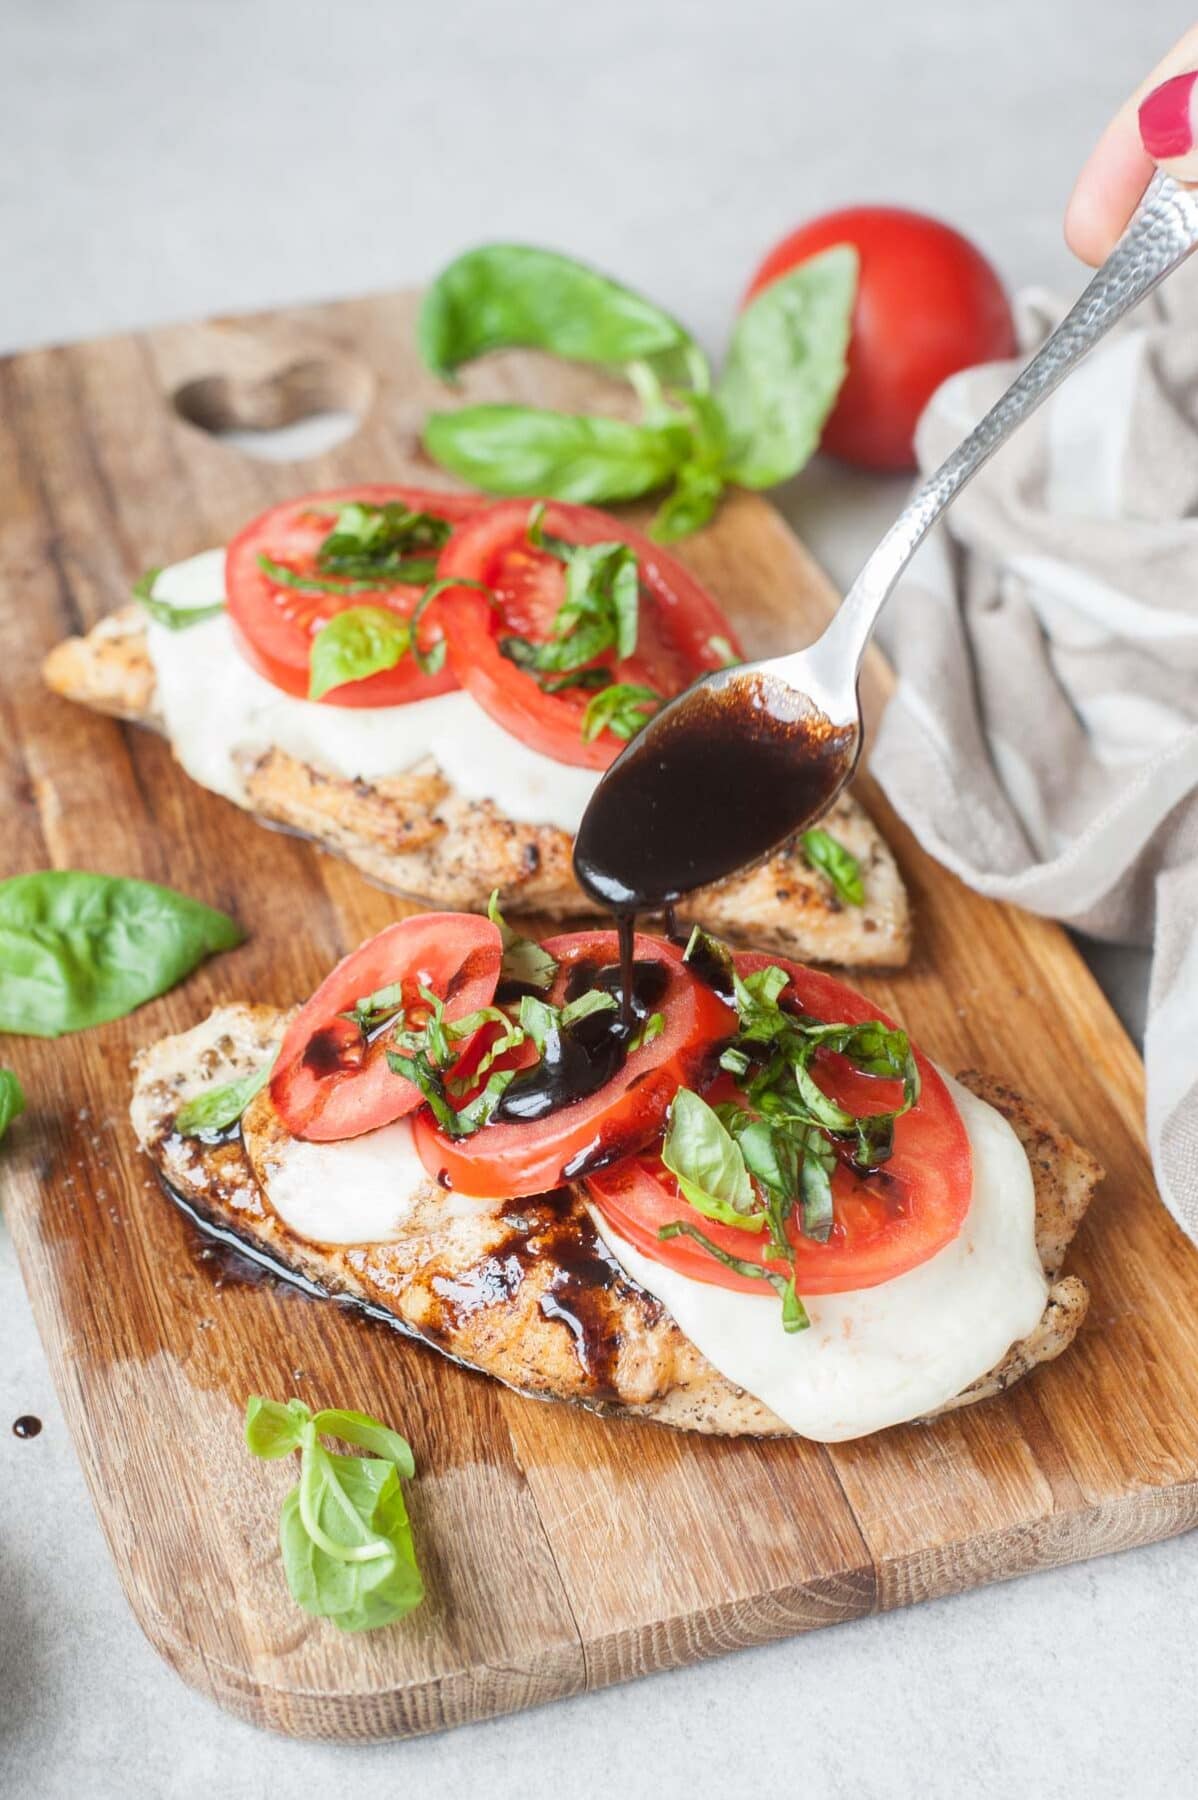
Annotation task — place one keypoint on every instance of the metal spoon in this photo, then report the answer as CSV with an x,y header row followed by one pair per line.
x,y
748,756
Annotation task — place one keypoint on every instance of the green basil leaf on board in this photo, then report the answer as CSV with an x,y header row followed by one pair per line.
x,y
826,854
12,1099
78,949
710,1169
164,612
218,1108
359,642
785,366
513,296
524,450
347,1546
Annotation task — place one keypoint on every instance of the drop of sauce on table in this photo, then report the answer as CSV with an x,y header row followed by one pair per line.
x,y
26,1426
714,785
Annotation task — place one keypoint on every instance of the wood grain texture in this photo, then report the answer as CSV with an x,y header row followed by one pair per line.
x,y
561,1552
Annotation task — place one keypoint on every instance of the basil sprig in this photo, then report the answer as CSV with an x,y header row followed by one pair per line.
x,y
12,1099
425,1055
347,1546
78,949
757,426
829,856
751,1162
164,612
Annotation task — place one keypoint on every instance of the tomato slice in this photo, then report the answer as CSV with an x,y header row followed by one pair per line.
x,y
511,1159
274,624
331,1079
884,1225
681,631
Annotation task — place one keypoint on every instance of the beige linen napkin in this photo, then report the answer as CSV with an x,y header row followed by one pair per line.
x,y
1043,740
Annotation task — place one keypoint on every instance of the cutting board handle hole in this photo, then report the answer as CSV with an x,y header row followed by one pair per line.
x,y
298,411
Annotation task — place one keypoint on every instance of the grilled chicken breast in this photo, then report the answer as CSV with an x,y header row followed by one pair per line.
x,y
415,834
525,1290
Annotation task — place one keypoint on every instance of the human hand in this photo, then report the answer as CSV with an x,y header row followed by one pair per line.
x,y
1157,125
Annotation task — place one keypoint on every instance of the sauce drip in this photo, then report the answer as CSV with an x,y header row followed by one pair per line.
x,y
333,1049
711,786
587,1055
27,1426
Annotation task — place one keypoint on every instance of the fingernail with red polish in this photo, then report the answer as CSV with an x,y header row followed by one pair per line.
x,y
1168,129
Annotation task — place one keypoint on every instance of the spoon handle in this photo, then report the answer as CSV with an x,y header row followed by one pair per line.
x,y
1162,233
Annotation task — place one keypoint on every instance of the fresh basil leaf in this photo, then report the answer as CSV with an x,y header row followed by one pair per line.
x,y
785,366
164,612
273,1430
524,450
523,960
689,505
347,1545
12,1099
218,1108
595,1000
78,949
710,1169
365,1433
826,854
356,643
621,708
512,296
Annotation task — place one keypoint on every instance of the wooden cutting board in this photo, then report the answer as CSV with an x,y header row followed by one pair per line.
x,y
561,1552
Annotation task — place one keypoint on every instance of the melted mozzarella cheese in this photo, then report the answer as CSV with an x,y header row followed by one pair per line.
x,y
214,705
358,1190
888,1353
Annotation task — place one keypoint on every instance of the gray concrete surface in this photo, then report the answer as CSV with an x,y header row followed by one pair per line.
x,y
164,160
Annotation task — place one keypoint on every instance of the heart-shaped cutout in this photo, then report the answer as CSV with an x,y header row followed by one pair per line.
x,y
295,412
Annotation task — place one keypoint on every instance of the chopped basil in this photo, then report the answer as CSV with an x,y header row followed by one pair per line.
x,y
794,1316
347,1545
599,610
826,854
284,576
780,1138
164,612
650,1028
218,1108
373,1010
424,1055
524,961
621,709
384,542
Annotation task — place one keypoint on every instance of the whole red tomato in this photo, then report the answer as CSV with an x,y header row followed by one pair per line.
x,y
927,305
